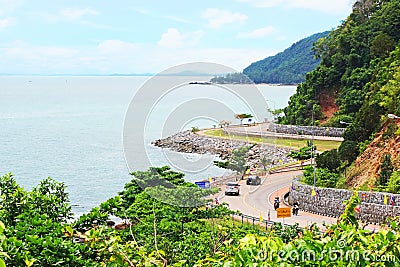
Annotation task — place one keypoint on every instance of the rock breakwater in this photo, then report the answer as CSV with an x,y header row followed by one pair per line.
x,y
188,142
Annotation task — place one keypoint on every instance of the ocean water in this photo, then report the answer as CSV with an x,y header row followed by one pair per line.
x,y
71,129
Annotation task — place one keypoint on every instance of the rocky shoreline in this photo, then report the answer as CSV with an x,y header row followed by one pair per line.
x,y
188,142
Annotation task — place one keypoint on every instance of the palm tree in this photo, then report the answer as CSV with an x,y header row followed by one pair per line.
x,y
264,160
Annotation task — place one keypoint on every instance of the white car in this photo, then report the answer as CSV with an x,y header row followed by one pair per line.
x,y
232,188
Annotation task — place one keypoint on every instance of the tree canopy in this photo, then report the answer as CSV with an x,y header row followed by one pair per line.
x,y
287,67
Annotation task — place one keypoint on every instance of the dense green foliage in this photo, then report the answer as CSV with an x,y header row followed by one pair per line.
x,y
324,177
343,244
237,161
329,160
360,72
34,225
394,183
2,238
236,77
386,170
287,67
359,68
304,153
154,233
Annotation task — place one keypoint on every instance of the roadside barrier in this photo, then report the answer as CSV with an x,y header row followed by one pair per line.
x,y
375,207
255,220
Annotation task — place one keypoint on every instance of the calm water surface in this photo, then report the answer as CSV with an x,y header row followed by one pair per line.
x,y
70,128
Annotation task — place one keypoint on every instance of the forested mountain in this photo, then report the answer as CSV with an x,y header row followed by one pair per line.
x,y
359,62
289,66
357,84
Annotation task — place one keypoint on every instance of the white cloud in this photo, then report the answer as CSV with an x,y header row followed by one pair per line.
x,y
142,11
177,19
77,13
7,6
116,56
258,33
23,51
173,38
218,17
327,6
116,47
4,23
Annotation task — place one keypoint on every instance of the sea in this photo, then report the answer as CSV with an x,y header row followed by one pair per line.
x,y
71,128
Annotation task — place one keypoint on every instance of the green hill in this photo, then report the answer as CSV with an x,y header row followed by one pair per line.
x,y
287,67
357,85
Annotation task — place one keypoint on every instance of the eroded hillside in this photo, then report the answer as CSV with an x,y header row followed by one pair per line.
x,y
367,167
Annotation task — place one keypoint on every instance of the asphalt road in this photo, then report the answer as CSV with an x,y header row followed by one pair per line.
x,y
262,130
256,200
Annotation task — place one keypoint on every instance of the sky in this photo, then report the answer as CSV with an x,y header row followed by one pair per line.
x,y
128,36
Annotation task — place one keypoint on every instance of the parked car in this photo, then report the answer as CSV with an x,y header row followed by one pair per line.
x,y
232,188
253,180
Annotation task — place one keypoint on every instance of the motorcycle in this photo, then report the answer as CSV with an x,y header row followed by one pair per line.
x,y
276,203
295,210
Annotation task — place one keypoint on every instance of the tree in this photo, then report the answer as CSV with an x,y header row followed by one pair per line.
x,y
224,123
348,151
390,94
394,183
237,161
195,129
324,177
386,170
381,45
2,238
264,160
243,116
304,152
329,160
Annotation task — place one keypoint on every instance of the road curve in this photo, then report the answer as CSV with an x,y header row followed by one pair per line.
x,y
255,200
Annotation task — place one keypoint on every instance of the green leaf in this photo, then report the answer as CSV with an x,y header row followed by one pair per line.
x,y
2,227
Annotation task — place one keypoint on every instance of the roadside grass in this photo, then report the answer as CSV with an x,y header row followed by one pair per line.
x,y
322,145
235,222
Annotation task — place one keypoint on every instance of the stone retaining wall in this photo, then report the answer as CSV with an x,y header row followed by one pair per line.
x,y
330,202
306,130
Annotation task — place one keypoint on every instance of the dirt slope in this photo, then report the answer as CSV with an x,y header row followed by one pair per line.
x,y
367,166
328,105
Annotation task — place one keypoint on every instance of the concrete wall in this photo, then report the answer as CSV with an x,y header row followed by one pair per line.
x,y
330,202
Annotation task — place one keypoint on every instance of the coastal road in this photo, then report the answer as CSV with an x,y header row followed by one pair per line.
x,y
263,130
257,200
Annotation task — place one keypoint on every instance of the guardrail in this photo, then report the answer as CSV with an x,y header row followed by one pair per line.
x,y
253,219
267,222
290,168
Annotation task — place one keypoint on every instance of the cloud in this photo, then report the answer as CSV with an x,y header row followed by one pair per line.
x,y
24,51
7,6
258,33
4,23
177,19
117,56
327,6
77,13
142,11
218,17
117,47
173,38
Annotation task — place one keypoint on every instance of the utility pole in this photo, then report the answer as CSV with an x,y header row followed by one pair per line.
x,y
312,147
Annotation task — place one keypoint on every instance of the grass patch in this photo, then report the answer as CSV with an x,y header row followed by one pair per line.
x,y
322,145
